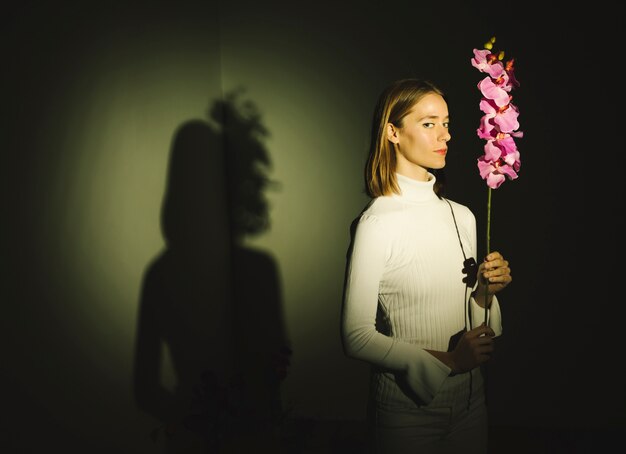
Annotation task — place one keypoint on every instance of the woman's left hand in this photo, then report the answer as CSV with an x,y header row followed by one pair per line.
x,y
494,274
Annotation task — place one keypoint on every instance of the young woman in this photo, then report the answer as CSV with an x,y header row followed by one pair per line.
x,y
414,299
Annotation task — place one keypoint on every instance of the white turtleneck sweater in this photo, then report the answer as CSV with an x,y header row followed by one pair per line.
x,y
406,264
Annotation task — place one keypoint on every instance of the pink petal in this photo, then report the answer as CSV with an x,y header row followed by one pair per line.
x,y
480,61
492,91
487,130
488,106
484,168
512,159
492,152
507,120
507,144
494,180
508,171
486,133
495,69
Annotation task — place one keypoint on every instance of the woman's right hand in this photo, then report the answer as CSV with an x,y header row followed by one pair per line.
x,y
473,349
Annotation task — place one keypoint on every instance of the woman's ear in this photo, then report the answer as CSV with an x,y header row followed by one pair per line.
x,y
392,133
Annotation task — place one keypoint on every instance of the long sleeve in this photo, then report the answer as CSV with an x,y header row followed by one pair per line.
x,y
494,317
370,250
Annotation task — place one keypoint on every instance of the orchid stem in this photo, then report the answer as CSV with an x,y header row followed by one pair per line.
x,y
488,249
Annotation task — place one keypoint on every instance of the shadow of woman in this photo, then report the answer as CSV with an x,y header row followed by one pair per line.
x,y
209,300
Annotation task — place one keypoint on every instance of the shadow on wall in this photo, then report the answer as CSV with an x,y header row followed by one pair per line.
x,y
214,305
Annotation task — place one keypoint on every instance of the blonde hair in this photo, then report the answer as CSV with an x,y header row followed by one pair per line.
x,y
394,103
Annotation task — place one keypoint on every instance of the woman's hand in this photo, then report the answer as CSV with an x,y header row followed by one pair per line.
x,y
473,349
494,274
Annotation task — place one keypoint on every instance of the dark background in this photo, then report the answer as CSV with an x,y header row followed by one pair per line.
x,y
85,179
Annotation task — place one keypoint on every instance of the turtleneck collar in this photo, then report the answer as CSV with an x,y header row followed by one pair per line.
x,y
416,191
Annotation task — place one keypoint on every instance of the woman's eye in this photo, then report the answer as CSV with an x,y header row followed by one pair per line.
x,y
428,125
446,124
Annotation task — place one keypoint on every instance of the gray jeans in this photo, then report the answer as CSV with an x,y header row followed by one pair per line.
x,y
430,430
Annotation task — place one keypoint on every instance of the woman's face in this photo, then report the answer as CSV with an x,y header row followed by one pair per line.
x,y
420,143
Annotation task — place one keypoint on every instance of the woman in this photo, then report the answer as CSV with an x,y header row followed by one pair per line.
x,y
414,300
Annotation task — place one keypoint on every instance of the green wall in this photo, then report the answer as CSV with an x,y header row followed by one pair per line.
x,y
95,97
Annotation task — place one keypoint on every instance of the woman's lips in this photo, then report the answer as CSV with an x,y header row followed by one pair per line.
x,y
442,151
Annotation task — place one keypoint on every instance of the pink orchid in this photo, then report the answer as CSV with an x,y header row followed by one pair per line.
x,y
501,160
499,124
494,173
503,150
490,89
488,63
487,129
497,119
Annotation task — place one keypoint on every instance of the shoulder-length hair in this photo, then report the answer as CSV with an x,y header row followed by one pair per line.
x,y
394,103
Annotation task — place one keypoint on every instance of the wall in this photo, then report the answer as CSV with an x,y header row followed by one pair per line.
x,y
98,97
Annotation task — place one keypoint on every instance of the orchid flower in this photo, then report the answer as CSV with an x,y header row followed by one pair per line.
x,y
487,62
497,119
499,125
501,159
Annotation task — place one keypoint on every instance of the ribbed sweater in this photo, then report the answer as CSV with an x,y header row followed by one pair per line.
x,y
404,293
